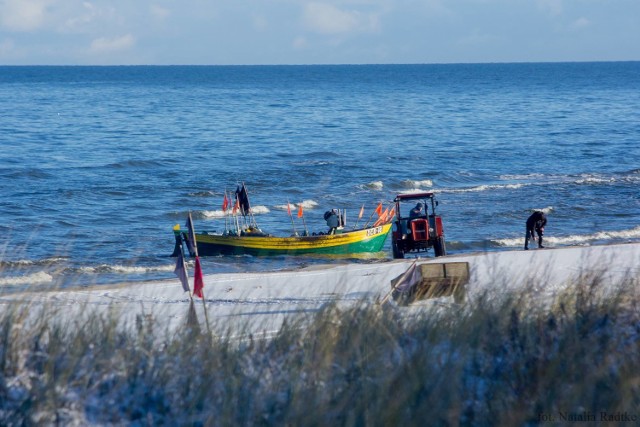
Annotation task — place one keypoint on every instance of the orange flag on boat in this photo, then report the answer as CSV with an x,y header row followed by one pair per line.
x,y
236,206
289,208
198,280
383,218
379,209
225,203
361,212
300,213
384,215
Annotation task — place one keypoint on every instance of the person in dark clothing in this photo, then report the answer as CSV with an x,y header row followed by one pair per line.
x,y
332,219
535,223
417,211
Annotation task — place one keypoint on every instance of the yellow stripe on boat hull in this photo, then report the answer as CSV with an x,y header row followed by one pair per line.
x,y
366,240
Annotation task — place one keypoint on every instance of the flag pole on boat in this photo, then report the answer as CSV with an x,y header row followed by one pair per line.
x,y
301,215
359,216
295,233
378,210
225,208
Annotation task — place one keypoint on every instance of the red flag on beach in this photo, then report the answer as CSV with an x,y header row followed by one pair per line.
x,y
225,203
379,209
300,211
198,280
181,271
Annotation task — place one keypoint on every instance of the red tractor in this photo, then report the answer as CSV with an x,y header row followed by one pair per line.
x,y
415,228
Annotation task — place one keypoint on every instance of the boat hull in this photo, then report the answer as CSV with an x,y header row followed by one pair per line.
x,y
357,241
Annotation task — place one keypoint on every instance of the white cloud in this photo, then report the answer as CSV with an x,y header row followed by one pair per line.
x,y
160,12
299,42
580,23
105,45
327,19
6,47
86,17
553,7
260,23
23,15
477,39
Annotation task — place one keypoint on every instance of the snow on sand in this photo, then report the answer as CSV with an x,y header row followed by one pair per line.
x,y
259,302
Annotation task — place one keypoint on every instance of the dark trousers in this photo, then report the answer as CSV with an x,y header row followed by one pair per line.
x,y
529,235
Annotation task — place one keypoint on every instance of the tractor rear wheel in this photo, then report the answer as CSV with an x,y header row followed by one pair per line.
x,y
439,247
398,253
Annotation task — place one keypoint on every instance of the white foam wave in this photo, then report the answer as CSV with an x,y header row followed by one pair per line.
x,y
28,262
126,269
412,191
213,214
577,239
375,185
256,210
306,204
521,176
594,180
408,183
546,210
31,279
484,187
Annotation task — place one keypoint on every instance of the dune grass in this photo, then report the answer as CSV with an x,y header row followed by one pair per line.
x,y
507,361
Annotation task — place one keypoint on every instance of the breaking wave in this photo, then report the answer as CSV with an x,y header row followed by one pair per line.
x,y
38,278
375,185
578,239
125,269
306,204
259,210
485,187
595,180
28,263
219,213
412,184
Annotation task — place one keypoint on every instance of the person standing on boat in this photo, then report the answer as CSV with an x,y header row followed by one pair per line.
x,y
535,223
332,220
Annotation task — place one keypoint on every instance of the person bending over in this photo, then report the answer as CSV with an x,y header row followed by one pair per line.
x,y
535,223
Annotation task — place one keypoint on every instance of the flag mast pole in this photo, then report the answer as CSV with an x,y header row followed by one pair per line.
x,y
291,217
376,210
359,216
195,248
301,212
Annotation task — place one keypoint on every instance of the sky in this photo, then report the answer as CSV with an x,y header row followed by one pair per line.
x,y
253,32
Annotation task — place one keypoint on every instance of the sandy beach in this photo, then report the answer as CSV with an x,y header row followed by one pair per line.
x,y
259,302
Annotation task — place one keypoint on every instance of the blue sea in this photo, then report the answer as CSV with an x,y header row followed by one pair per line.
x,y
97,164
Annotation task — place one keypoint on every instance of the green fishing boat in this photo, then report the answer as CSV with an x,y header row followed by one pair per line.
x,y
242,236
342,242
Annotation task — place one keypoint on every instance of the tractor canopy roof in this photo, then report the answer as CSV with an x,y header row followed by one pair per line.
x,y
413,196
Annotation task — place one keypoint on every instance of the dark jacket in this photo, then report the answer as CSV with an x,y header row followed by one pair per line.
x,y
536,221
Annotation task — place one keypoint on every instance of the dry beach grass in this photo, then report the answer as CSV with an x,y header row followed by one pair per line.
x,y
502,358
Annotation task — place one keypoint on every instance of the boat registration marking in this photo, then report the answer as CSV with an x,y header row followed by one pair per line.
x,y
374,231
